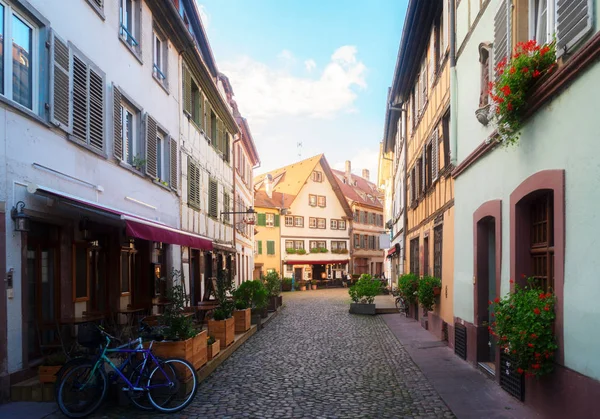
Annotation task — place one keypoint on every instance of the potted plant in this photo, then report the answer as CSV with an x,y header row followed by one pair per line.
x,y
222,325
242,316
273,286
300,285
254,294
301,252
182,339
286,284
408,285
290,251
213,347
52,364
426,292
363,295
313,283
523,326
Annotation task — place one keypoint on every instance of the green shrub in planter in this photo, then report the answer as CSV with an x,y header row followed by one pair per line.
x,y
426,291
408,284
272,284
365,290
290,251
286,284
252,293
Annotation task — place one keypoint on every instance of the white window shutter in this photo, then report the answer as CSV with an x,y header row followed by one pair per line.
x,y
96,109
61,84
151,157
502,30
573,22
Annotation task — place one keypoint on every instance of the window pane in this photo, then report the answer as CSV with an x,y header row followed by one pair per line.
x,y
128,140
157,52
22,74
2,49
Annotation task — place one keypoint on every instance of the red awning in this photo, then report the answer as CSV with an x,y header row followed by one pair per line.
x,y
314,262
160,233
391,251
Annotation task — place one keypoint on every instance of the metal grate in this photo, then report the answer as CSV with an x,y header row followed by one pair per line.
x,y
460,340
510,380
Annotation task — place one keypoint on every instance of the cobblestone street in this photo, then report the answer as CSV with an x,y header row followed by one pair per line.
x,y
315,360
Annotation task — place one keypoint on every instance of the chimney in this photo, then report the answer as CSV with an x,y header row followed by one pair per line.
x,y
365,174
269,185
348,172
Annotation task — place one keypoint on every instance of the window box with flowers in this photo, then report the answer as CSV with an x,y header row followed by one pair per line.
x,y
523,327
515,81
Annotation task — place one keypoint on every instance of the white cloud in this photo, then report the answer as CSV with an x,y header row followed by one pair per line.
x,y
310,65
263,92
204,16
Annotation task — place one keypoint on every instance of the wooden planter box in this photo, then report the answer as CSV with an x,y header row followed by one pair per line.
x,y
48,374
272,306
358,308
279,300
242,320
193,350
224,330
213,349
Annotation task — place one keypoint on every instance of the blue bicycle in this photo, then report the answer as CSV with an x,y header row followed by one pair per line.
x,y
167,385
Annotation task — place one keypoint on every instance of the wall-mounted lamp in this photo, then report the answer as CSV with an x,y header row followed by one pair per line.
x,y
20,218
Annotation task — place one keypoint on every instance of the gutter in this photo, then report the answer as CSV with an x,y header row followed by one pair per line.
x,y
453,87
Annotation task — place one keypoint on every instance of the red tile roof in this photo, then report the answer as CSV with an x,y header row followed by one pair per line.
x,y
353,192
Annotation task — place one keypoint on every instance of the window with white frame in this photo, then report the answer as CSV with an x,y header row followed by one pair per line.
x,y
541,20
314,244
162,156
312,222
321,201
298,244
341,224
130,135
317,176
334,224
289,221
17,67
270,220
338,245
321,223
312,200
289,268
130,30
159,67
298,221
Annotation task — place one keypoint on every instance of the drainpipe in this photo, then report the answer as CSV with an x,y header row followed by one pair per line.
x,y
404,186
238,138
453,86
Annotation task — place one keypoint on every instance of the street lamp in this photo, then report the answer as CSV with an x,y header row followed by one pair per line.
x,y
250,215
21,219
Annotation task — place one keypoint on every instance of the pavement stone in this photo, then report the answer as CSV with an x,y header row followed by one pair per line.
x,y
314,360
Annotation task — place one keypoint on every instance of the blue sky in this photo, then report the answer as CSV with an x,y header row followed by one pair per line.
x,y
315,72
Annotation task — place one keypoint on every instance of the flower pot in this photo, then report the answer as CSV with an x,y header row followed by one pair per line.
x,y
272,303
303,288
437,290
314,287
242,320
194,350
48,373
224,330
213,349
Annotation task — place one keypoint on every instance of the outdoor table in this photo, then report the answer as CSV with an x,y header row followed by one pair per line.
x,y
75,321
129,314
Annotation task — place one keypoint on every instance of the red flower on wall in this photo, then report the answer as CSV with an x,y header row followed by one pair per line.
x,y
496,300
536,311
531,345
536,74
505,90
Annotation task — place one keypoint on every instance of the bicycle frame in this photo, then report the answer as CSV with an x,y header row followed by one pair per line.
x,y
147,354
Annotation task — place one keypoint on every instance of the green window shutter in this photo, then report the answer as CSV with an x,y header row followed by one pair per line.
x,y
260,247
276,220
261,219
270,247
187,90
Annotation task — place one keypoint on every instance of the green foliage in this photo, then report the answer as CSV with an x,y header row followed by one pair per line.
x,y
318,250
301,251
272,284
175,325
252,293
365,290
299,284
224,289
523,326
210,340
425,291
290,251
286,284
240,305
510,93
408,285
366,276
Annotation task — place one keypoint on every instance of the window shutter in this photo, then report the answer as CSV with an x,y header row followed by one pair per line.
x,y
432,59
167,158
80,98
226,205
61,84
206,119
213,206
573,22
151,158
96,110
435,159
259,247
193,183
276,223
424,168
187,90
261,219
173,163
502,33
270,247
117,124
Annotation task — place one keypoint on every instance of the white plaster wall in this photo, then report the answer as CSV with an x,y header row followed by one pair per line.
x,y
562,135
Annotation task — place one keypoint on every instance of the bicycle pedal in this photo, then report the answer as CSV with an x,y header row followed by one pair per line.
x,y
125,389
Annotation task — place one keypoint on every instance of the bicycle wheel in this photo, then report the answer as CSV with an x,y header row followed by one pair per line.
x,y
80,392
172,385
70,364
140,398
